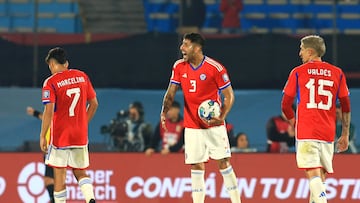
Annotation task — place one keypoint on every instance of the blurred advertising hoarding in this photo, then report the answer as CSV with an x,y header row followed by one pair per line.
x,y
136,178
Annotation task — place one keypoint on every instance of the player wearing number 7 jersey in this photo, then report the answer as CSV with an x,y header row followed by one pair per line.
x,y
317,86
70,103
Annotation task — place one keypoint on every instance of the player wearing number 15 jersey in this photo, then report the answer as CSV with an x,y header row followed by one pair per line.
x,y
70,103
317,86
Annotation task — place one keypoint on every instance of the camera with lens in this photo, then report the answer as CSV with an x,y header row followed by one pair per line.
x,y
118,126
126,134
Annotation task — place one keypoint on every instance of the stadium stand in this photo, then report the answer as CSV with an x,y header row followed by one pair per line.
x,y
61,16
212,18
265,16
257,16
113,16
162,15
254,17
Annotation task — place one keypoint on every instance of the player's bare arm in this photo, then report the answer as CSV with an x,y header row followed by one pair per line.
x,y
346,118
45,125
91,108
343,141
167,102
228,102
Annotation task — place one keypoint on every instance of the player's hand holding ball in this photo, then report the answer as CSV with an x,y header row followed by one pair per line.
x,y
209,112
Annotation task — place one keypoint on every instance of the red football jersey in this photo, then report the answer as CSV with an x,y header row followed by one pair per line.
x,y
69,90
173,134
199,84
317,85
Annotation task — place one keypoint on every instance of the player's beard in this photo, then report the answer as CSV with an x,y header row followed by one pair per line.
x,y
185,57
189,57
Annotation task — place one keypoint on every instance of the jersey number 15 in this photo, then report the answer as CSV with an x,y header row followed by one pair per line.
x,y
320,91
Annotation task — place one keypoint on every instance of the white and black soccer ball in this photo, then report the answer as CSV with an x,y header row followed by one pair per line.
x,y
209,109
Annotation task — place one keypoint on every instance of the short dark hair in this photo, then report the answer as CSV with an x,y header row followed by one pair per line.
x,y
138,106
240,134
58,54
195,38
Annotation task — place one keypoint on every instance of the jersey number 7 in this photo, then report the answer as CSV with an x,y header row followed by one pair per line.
x,y
69,93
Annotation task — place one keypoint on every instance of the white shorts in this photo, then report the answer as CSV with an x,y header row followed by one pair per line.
x,y
77,158
200,144
315,154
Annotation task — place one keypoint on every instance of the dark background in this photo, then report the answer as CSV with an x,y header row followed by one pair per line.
x,y
145,61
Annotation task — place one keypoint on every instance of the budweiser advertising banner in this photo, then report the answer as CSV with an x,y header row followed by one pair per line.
x,y
136,178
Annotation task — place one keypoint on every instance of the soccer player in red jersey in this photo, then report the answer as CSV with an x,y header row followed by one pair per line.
x,y
200,78
69,104
317,85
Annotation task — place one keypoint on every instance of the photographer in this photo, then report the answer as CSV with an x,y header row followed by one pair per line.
x,y
129,131
171,139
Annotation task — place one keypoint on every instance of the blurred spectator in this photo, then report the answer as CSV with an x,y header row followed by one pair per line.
x,y
280,134
129,131
242,144
231,19
33,112
352,134
171,140
193,13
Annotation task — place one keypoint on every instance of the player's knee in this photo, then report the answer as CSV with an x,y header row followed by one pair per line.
x,y
198,166
48,181
223,163
79,174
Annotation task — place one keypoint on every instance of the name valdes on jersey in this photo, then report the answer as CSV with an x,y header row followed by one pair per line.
x,y
316,85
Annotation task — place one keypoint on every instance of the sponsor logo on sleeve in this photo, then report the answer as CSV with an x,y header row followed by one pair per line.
x,y
225,77
46,94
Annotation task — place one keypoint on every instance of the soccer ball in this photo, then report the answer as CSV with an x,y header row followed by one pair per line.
x,y
209,109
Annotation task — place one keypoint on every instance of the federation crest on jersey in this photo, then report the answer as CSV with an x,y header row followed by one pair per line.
x,y
46,94
203,76
225,77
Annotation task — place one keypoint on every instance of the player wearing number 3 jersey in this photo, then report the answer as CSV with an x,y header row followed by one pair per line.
x,y
70,103
200,78
317,86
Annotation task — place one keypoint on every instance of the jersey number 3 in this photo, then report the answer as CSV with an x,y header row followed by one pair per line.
x,y
193,86
321,92
75,99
